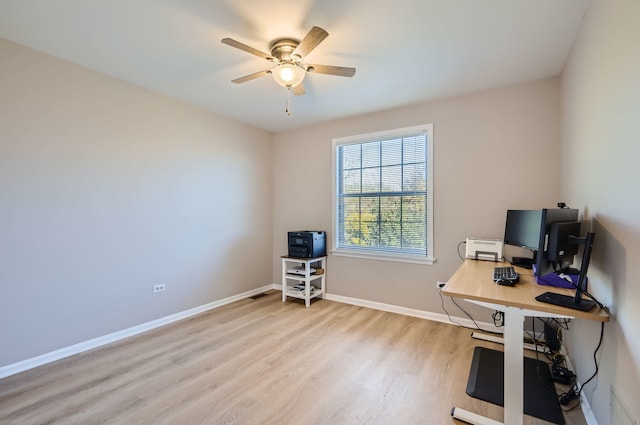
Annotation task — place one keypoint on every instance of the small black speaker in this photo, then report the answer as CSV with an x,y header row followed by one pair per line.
x,y
524,262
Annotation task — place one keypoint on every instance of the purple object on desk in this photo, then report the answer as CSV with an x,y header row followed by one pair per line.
x,y
554,279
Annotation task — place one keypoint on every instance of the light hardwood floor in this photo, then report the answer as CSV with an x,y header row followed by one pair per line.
x,y
262,362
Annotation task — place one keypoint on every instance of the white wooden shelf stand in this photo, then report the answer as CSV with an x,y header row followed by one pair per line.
x,y
307,284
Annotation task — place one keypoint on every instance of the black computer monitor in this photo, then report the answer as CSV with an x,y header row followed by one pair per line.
x,y
531,229
551,216
561,247
522,228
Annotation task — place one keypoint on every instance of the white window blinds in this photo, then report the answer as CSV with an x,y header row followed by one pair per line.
x,y
382,194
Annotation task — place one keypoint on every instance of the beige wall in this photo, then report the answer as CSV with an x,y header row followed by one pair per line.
x,y
493,151
601,147
107,189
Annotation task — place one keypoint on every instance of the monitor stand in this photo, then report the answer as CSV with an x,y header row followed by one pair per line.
x,y
566,301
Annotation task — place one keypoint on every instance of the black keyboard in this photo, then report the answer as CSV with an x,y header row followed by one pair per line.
x,y
505,276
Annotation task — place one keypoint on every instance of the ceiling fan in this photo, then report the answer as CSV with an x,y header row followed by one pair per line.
x,y
288,55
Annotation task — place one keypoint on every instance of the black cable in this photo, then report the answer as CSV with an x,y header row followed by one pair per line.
x,y
445,310
457,323
498,319
461,257
585,292
454,301
562,323
602,306
456,304
555,357
589,295
547,384
574,393
468,315
595,359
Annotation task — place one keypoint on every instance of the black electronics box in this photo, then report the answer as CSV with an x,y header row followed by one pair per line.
x,y
524,262
307,244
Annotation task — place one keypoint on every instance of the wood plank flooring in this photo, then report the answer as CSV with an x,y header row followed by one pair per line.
x,y
262,362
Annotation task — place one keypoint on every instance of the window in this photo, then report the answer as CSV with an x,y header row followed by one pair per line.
x,y
383,195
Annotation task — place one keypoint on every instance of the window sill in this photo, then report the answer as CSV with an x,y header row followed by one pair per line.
x,y
401,258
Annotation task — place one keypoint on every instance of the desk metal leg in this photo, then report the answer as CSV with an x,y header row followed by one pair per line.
x,y
472,418
513,374
513,366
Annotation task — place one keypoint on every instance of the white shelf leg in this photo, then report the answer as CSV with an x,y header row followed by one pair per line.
x,y
284,280
307,284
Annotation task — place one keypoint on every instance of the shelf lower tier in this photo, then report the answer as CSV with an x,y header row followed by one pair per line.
x,y
301,294
302,277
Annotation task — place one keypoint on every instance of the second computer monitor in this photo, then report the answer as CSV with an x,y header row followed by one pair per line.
x,y
561,246
532,229
550,219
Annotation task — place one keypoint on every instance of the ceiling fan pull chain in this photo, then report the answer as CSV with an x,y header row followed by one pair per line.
x,y
287,109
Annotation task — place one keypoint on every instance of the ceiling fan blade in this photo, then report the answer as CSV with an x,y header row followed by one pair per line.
x,y
341,71
298,90
251,76
233,43
310,42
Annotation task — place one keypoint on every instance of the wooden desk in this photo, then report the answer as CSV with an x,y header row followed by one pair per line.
x,y
473,282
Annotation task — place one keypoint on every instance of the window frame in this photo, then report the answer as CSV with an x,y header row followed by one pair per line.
x,y
381,255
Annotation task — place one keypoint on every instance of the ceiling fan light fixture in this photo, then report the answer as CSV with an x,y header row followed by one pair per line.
x,y
288,75
287,55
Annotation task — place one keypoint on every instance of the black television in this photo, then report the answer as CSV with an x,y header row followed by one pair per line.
x,y
576,301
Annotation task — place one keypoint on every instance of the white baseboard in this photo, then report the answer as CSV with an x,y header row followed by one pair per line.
x,y
422,314
71,350
586,410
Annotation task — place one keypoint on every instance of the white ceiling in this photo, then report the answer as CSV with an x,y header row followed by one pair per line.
x,y
405,51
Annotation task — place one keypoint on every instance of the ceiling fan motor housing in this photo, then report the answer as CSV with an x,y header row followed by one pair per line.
x,y
283,48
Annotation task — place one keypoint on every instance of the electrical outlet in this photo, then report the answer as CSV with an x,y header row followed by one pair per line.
x,y
159,288
440,284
